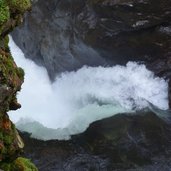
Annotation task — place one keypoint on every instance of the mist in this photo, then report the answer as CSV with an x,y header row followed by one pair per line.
x,y
75,99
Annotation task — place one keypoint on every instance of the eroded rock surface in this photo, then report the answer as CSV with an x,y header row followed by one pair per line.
x,y
64,35
120,142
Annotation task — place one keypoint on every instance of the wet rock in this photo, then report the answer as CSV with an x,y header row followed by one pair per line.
x,y
14,105
64,35
117,143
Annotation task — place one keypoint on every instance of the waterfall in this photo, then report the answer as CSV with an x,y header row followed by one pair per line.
x,y
67,106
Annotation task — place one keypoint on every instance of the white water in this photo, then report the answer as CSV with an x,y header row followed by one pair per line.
x,y
76,99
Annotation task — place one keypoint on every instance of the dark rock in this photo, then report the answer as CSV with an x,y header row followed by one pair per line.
x,y
116,143
14,105
64,35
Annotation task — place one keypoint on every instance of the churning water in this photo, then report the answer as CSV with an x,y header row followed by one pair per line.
x,y
76,99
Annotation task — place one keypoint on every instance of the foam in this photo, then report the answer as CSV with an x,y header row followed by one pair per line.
x,y
81,97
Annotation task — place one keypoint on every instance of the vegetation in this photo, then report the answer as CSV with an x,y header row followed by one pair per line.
x,y
11,12
20,164
4,12
11,79
19,5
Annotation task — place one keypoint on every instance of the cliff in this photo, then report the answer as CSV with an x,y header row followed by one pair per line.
x,y
11,79
65,35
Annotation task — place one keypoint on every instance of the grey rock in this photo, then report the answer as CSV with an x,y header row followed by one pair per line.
x,y
65,35
122,142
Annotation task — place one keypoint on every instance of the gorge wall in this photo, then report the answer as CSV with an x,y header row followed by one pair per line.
x,y
11,78
65,35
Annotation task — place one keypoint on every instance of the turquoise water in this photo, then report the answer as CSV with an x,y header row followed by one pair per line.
x,y
76,99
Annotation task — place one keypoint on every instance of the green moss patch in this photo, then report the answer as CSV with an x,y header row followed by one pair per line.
x,y
11,78
23,164
20,164
10,74
4,12
11,12
19,5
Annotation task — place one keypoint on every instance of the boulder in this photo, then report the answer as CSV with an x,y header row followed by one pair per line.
x,y
121,142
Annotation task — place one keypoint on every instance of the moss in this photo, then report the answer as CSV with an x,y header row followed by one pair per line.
x,y
20,73
8,139
5,166
20,5
1,136
13,127
10,74
4,12
11,78
20,164
23,164
6,41
11,14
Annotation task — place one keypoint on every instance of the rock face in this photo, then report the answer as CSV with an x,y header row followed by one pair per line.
x,y
11,78
64,35
120,142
